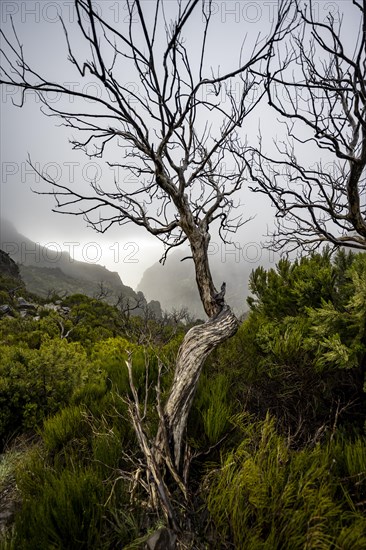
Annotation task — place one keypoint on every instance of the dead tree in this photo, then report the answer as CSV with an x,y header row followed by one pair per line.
x,y
177,142
317,84
103,292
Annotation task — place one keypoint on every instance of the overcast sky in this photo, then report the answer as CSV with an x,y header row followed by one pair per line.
x,y
128,250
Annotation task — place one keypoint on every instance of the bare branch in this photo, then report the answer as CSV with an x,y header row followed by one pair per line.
x,y
319,91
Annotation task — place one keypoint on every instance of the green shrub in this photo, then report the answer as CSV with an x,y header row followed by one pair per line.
x,y
107,450
71,490
211,410
109,356
300,352
266,496
93,320
64,427
90,393
36,383
4,297
60,509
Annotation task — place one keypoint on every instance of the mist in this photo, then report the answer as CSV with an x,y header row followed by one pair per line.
x,y
27,133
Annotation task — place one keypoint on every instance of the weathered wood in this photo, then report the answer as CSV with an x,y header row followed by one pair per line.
x,y
197,345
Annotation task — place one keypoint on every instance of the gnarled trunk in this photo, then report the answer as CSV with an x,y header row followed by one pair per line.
x,y
196,346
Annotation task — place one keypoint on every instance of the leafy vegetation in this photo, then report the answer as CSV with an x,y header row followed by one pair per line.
x,y
277,430
267,496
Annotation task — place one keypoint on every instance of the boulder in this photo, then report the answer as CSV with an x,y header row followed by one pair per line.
x,y
162,539
6,310
23,304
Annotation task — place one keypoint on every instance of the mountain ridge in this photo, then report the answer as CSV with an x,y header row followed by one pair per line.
x,y
44,274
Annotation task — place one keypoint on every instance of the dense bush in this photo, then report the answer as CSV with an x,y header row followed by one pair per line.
x,y
277,427
35,383
61,508
301,353
266,496
91,320
72,490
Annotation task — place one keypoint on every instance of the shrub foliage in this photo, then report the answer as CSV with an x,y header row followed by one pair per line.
x,y
277,430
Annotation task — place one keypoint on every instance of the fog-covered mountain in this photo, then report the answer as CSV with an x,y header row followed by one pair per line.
x,y
46,271
174,285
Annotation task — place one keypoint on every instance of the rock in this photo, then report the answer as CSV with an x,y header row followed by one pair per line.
x,y
26,308
52,307
162,539
8,267
63,310
23,304
6,310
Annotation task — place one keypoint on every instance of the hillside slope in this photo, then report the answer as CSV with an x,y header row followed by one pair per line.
x,y
46,272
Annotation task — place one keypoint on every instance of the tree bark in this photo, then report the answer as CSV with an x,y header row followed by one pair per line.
x,y
199,247
196,346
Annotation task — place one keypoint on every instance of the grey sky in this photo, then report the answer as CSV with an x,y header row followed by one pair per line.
x,y
128,250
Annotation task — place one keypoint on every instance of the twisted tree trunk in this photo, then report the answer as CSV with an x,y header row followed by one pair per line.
x,y
197,345
166,452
